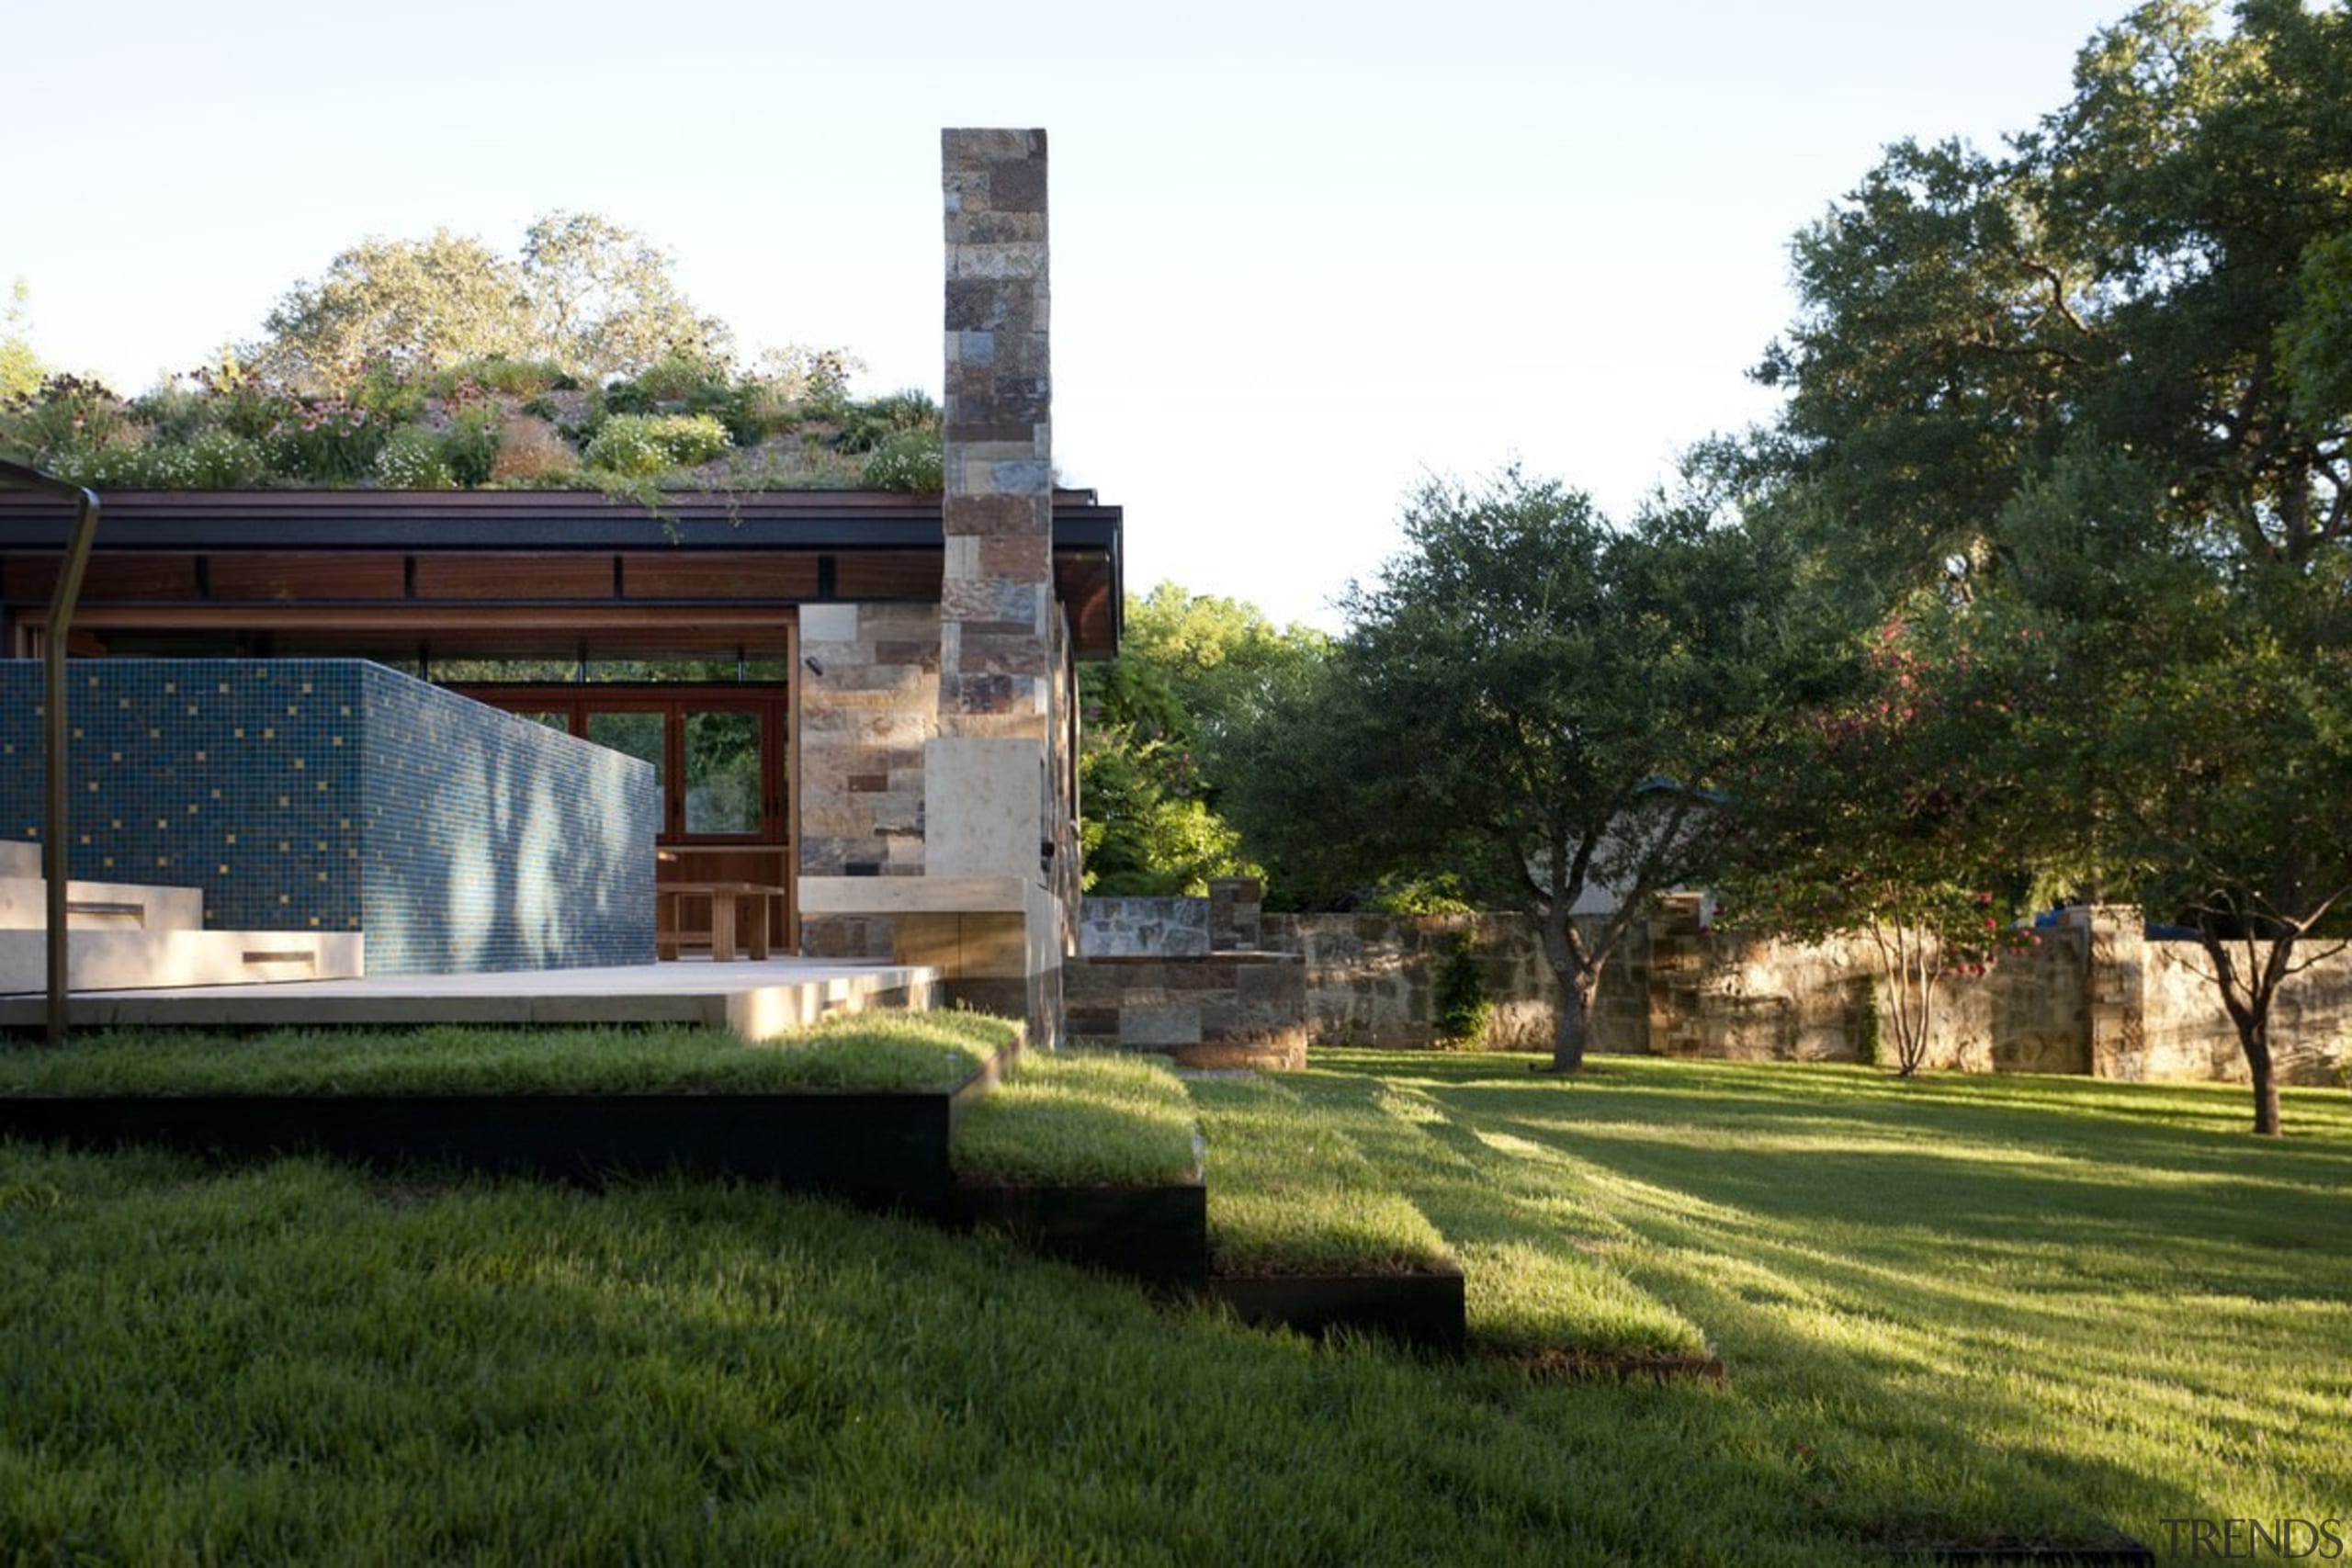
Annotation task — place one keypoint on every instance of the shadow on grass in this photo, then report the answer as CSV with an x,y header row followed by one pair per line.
x,y
297,1362
2042,1302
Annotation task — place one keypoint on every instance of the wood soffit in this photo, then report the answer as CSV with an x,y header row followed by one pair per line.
x,y
193,550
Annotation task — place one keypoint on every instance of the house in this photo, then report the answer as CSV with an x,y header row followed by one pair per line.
x,y
861,700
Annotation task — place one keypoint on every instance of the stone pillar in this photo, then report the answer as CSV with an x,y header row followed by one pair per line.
x,y
976,883
997,598
1236,906
2114,987
990,819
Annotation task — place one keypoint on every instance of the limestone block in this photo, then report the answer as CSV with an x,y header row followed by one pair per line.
x,y
983,807
828,624
1169,1023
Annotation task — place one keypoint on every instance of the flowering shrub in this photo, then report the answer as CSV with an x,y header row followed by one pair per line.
x,y
912,461
413,460
225,426
325,440
639,446
471,446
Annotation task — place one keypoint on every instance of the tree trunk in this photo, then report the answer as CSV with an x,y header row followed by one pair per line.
x,y
1574,1026
2254,1039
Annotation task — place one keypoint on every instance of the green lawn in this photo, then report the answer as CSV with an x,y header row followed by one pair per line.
x,y
1961,1310
880,1051
1081,1118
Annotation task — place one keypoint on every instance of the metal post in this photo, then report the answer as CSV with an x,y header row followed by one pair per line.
x,y
54,835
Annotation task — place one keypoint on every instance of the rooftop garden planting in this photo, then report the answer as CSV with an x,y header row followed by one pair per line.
x,y
878,1051
1077,1118
484,424
441,365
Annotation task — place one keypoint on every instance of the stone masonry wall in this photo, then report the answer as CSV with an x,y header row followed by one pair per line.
x,y
1143,928
2091,995
1739,997
1369,979
2188,1034
862,725
1220,1009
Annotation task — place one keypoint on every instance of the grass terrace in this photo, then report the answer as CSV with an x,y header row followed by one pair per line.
x,y
1080,1119
876,1052
1541,1258
1959,1311
1290,1193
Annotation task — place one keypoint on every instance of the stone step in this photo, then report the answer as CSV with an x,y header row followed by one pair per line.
x,y
101,905
139,960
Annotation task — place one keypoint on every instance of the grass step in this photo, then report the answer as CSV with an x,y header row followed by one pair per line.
x,y
1538,1253
1089,1157
1082,1118
878,1052
1290,1192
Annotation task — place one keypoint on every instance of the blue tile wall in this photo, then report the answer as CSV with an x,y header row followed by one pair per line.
x,y
337,794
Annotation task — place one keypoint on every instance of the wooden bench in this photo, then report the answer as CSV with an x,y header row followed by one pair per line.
x,y
734,906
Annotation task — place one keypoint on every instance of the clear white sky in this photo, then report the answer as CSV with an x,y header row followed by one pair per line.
x,y
1302,254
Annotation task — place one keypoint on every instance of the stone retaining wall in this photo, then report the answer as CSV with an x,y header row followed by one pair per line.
x,y
2090,996
1370,977
1223,1009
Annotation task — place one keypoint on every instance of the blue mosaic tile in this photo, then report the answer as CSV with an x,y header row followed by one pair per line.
x,y
337,794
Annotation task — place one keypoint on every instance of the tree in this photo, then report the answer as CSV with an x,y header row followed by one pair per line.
x,y
604,303
586,293
2103,375
20,368
1542,706
1165,723
2207,707
1897,809
404,305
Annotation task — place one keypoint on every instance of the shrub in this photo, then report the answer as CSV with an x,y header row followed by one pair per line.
x,y
470,444
325,440
112,465
176,414
868,425
388,396
414,459
1399,895
1462,1005
911,460
639,446
530,451
67,412
510,377
218,459
680,379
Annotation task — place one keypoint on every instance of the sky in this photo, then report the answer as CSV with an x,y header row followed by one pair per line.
x,y
1305,257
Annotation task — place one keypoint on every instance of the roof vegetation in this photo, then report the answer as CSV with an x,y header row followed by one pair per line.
x,y
439,364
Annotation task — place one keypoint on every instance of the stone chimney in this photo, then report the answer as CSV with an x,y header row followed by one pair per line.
x,y
993,908
997,600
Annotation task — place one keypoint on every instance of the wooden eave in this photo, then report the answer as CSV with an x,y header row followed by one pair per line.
x,y
378,550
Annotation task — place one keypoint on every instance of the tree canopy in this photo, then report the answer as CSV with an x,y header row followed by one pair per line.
x,y
585,293
1539,706
20,370
1168,725
2093,389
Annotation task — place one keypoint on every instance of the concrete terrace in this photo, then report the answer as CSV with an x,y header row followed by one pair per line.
x,y
758,999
